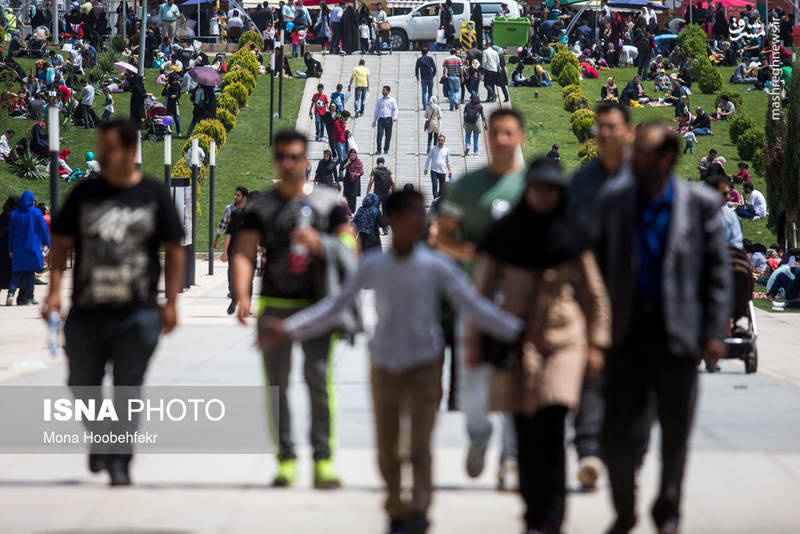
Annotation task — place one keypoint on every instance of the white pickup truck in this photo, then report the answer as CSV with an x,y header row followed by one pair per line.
x,y
423,22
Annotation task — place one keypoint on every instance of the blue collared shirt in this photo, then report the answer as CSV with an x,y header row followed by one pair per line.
x,y
652,230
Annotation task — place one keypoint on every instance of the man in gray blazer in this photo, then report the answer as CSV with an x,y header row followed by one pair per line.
x,y
661,247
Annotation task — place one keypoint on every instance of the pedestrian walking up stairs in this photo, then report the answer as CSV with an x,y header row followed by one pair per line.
x,y
407,152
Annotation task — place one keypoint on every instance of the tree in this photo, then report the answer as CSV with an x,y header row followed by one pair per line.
x,y
772,156
790,175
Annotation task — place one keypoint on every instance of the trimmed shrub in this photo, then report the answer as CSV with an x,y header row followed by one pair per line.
x,y
226,118
582,124
238,92
246,59
561,60
588,150
710,80
572,88
205,143
238,74
181,170
575,101
559,47
569,76
693,39
759,164
740,124
118,44
251,37
212,128
227,102
749,141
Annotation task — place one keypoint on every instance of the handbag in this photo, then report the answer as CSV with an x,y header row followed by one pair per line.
x,y
384,26
498,353
427,124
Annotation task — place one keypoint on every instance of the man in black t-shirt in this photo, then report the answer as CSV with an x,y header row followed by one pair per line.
x,y
117,225
291,226
235,220
383,180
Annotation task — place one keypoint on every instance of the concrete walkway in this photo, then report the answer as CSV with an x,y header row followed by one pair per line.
x,y
407,152
742,477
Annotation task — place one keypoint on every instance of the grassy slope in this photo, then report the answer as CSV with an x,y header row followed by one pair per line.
x,y
244,160
548,123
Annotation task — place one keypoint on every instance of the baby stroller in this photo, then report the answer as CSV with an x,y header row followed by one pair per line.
x,y
156,123
741,341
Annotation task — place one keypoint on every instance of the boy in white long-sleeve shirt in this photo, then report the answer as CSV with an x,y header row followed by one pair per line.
x,y
406,349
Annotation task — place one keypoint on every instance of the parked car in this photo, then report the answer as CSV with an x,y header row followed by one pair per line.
x,y
421,24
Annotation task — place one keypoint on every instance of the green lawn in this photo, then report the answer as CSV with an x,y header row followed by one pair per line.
x,y
548,123
245,159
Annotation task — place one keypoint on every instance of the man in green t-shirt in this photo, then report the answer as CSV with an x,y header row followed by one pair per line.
x,y
470,205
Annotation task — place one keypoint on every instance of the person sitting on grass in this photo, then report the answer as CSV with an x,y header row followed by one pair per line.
x,y
633,91
543,77
725,110
701,122
662,82
742,176
518,78
609,93
756,206
405,352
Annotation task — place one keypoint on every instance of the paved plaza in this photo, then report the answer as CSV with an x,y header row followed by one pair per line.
x,y
743,473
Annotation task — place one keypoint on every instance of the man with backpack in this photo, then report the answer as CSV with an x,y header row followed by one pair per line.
x,y
382,177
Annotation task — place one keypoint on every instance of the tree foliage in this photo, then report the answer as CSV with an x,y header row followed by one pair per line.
x,y
790,175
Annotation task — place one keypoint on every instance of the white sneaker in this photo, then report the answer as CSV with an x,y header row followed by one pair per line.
x,y
475,460
508,476
589,471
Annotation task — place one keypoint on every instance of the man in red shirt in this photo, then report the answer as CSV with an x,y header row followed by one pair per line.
x,y
319,102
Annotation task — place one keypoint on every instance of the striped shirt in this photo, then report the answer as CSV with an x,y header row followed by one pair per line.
x,y
226,219
452,66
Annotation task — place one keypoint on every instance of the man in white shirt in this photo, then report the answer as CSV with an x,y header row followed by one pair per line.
x,y
757,205
385,116
5,149
438,161
336,26
87,101
491,66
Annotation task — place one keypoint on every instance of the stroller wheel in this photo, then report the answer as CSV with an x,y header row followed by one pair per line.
x,y
751,362
153,138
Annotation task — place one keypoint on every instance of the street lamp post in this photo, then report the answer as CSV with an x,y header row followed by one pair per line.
x,y
167,160
142,33
53,142
195,172
212,160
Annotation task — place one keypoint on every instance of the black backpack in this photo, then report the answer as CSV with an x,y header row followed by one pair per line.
x,y
471,115
383,180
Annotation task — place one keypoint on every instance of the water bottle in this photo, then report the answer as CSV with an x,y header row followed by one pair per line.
x,y
53,332
299,253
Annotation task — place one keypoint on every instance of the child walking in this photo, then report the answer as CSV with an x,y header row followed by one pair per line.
x,y
108,105
690,140
406,366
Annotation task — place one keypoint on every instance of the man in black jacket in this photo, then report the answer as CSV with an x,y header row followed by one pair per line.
x,y
662,250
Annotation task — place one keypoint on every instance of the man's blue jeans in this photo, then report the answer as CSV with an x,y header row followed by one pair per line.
x,y
358,99
23,280
745,213
336,29
341,152
702,131
475,145
454,90
427,90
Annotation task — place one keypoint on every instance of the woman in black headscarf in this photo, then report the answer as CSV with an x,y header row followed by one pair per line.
x,y
541,264
138,95
349,30
10,205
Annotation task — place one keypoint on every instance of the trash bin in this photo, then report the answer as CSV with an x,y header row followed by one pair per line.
x,y
510,32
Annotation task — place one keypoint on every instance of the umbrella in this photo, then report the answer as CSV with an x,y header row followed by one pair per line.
x,y
123,66
205,76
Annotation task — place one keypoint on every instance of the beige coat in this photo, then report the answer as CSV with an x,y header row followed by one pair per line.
x,y
561,326
433,113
